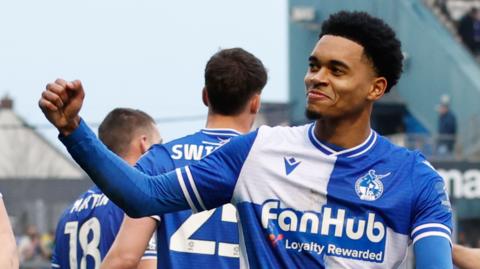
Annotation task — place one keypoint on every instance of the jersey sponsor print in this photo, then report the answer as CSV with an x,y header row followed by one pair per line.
x,y
319,205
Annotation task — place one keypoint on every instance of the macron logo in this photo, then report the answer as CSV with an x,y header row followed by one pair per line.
x,y
290,164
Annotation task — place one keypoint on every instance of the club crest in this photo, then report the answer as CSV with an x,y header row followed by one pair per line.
x,y
369,187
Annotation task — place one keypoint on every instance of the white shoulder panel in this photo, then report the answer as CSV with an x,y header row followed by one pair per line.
x,y
284,165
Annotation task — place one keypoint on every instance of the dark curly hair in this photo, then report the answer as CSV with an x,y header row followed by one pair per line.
x,y
378,40
232,77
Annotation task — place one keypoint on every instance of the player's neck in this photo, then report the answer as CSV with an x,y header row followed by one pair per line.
x,y
345,132
240,123
131,159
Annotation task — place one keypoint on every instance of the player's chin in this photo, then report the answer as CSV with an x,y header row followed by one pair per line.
x,y
312,114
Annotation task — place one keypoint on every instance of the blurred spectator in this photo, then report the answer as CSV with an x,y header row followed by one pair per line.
x,y
442,5
462,239
47,240
469,30
447,127
8,251
476,33
29,246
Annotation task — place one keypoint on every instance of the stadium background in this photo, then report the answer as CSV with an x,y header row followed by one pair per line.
x,y
38,180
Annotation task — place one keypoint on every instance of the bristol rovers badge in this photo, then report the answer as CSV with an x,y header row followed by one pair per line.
x,y
369,187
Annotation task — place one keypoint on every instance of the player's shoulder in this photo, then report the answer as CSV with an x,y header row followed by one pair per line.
x,y
93,190
71,211
283,132
158,150
91,200
386,149
419,167
187,139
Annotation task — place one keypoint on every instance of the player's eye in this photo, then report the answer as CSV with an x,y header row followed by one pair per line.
x,y
337,71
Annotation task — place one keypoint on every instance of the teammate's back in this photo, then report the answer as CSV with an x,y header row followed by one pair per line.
x,y
88,227
204,239
234,79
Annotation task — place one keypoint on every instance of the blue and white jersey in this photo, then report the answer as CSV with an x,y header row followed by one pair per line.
x,y
301,203
208,239
86,231
304,204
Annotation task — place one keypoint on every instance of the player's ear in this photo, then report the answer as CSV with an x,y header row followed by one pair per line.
x,y
205,96
378,88
144,144
255,103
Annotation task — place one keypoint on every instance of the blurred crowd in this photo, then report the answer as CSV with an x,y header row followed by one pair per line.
x,y
35,249
469,30
467,25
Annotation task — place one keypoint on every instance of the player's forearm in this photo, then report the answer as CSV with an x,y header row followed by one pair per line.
x,y
131,243
8,250
147,264
137,194
119,261
466,258
8,253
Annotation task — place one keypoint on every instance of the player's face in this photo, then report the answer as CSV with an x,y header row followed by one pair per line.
x,y
338,79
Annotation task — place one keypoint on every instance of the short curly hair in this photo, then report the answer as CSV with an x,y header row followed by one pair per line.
x,y
377,38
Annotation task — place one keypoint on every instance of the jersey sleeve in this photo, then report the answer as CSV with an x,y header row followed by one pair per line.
x,y
433,253
206,184
156,161
210,182
138,194
432,213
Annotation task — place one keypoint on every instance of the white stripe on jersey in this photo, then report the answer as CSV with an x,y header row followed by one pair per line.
x,y
156,217
194,187
221,134
430,225
432,233
184,190
368,148
149,258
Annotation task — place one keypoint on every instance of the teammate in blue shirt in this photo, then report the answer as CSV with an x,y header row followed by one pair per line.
x,y
234,79
87,228
331,194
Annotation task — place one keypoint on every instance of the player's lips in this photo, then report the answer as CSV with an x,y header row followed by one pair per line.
x,y
313,95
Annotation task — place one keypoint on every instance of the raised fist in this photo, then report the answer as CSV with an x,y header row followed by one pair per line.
x,y
61,102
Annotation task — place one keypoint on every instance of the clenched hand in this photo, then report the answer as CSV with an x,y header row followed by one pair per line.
x,y
61,102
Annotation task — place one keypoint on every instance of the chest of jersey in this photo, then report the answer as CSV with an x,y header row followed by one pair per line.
x,y
332,209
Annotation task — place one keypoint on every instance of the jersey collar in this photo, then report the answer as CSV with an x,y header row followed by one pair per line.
x,y
349,153
220,132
